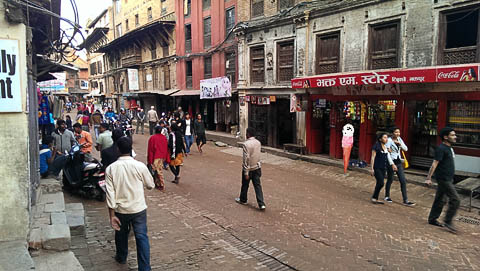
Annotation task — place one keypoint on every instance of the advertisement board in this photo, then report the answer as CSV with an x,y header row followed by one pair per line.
x,y
10,87
132,79
219,87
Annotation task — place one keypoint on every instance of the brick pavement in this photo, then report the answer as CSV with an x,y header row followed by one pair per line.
x,y
317,219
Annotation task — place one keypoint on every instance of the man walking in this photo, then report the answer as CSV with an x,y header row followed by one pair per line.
x,y
188,133
444,168
140,120
125,180
152,119
199,128
157,155
251,169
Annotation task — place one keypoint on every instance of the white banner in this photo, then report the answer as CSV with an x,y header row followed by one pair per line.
x,y
10,92
132,79
219,87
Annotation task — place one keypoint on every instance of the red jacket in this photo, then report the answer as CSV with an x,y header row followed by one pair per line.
x,y
157,148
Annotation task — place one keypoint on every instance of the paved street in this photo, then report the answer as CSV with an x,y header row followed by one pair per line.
x,y
316,219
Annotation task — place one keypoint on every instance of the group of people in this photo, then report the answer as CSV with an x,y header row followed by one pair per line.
x,y
387,160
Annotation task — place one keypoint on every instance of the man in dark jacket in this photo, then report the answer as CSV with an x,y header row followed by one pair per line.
x,y
200,137
63,140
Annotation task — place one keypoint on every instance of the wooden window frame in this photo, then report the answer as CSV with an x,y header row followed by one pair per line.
x,y
188,42
207,74
207,37
166,77
230,72
252,13
227,28
279,67
371,33
442,34
318,60
252,69
189,83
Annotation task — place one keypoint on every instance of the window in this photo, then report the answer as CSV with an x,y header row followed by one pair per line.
x,y
119,29
206,4
189,74
137,21
155,77
187,7
126,25
207,32
285,61
93,68
458,37
149,14
118,6
229,20
207,67
283,4
231,67
165,51
188,38
166,76
153,51
328,53
101,87
384,42
99,67
257,64
464,117
163,7
257,8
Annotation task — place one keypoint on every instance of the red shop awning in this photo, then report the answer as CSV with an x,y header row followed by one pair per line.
x,y
457,73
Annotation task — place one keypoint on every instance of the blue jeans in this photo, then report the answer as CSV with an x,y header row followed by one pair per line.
x,y
139,223
188,142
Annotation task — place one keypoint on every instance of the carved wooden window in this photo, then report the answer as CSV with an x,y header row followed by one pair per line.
x,y
189,74
458,37
166,77
384,43
207,32
283,4
231,66
188,38
153,51
207,67
327,53
257,8
285,61
257,64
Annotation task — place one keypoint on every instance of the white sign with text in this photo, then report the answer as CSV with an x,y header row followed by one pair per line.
x,y
10,92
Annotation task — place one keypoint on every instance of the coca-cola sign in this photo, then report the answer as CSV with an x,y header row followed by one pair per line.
x,y
460,73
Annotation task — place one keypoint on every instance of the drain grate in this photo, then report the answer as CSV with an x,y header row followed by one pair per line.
x,y
469,220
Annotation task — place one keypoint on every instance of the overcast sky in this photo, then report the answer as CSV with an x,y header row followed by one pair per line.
x,y
86,9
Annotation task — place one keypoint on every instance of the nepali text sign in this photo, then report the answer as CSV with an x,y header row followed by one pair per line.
x,y
461,73
219,87
55,85
10,92
132,79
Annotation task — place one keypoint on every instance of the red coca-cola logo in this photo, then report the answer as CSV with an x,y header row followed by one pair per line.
x,y
448,75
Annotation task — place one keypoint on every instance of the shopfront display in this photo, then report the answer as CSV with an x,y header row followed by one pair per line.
x,y
464,117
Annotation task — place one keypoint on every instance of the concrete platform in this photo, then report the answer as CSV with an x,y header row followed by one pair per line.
x,y
14,256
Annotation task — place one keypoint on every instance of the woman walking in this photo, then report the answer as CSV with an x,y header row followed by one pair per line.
x,y
381,160
395,146
177,148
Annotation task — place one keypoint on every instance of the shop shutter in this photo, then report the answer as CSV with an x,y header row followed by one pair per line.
x,y
285,61
257,8
328,53
257,64
384,46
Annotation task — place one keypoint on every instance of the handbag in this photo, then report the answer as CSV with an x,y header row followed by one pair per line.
x,y
405,162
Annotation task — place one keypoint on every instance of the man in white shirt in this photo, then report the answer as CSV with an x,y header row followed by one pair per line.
x,y
125,180
188,133
152,119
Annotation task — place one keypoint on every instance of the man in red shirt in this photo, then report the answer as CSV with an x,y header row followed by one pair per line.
x,y
157,154
85,139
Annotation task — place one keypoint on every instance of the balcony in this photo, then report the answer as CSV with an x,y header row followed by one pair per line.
x,y
461,55
131,60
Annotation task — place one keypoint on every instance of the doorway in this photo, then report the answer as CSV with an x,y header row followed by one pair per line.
x,y
286,125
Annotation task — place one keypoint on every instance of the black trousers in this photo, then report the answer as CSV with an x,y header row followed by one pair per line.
x,y
175,170
151,126
255,177
379,174
401,179
445,188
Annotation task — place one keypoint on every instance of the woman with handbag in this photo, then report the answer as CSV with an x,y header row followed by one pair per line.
x,y
380,162
177,148
396,146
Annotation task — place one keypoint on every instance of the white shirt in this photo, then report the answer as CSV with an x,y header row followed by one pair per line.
x,y
125,180
187,127
396,151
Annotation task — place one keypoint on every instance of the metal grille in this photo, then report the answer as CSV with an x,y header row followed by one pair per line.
x,y
384,63
257,8
285,61
332,68
469,220
283,4
257,64
207,32
460,55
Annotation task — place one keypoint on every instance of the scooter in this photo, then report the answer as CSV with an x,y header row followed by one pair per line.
x,y
84,178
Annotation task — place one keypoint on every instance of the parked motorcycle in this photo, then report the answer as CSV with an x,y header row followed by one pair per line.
x,y
84,178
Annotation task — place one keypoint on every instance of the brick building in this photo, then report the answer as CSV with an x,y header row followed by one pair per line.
x,y
206,48
426,47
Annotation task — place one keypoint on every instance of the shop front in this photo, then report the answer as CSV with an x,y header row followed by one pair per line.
x,y
374,102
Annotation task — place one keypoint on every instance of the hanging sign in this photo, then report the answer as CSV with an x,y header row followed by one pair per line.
x,y
10,92
295,104
212,88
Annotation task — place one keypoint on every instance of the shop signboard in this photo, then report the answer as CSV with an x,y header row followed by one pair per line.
x,y
459,73
55,85
132,79
213,88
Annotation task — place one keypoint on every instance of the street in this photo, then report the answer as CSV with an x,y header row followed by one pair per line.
x,y
316,219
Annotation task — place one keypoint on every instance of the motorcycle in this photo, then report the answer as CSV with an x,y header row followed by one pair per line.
x,y
127,128
84,178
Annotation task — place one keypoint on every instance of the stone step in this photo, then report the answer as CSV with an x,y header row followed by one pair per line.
x,y
59,261
75,218
14,256
56,237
